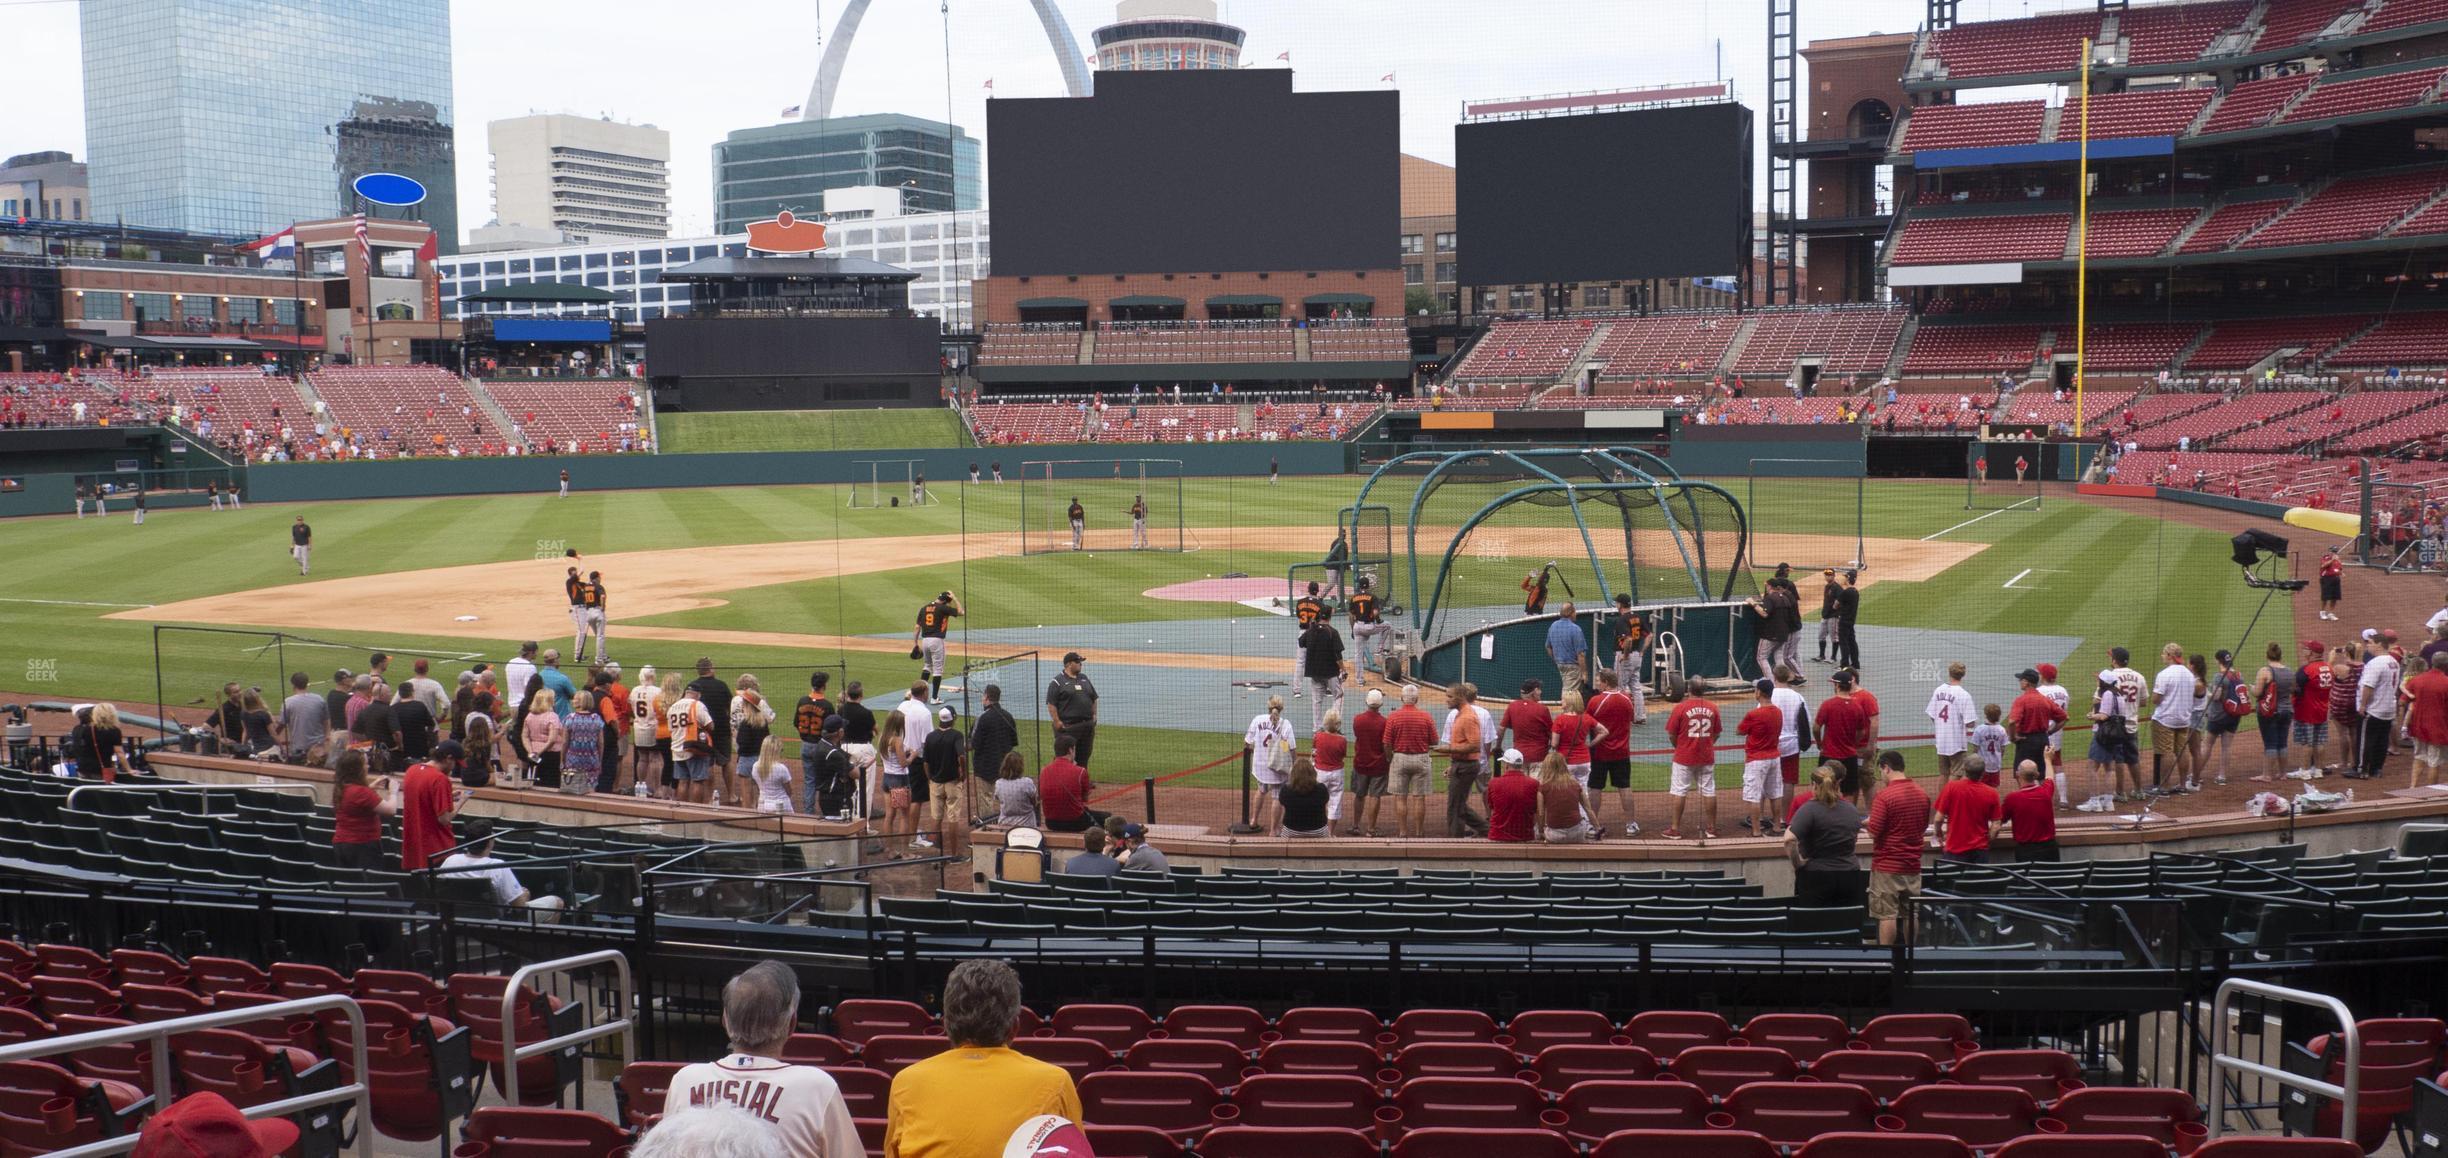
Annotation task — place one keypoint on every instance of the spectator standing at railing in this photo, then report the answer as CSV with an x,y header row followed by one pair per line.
x,y
1899,818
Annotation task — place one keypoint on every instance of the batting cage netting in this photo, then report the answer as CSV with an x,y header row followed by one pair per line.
x,y
890,482
1101,504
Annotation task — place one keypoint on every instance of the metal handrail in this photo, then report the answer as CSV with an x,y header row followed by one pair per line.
x,y
625,1025
2347,1094
159,1034
309,789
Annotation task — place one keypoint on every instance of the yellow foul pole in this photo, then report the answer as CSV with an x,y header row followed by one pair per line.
x,y
2082,236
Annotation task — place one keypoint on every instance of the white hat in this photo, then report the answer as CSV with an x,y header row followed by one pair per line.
x,y
2371,634
943,715
1511,756
1376,698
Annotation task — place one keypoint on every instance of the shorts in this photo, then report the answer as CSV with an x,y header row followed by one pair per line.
x,y
1761,782
1408,775
1849,773
2056,741
1887,893
1577,834
2169,740
1580,774
1685,777
2311,735
2426,752
2330,588
1364,785
939,804
2114,752
1616,773
931,654
897,797
1789,769
691,768
2221,723
2274,734
1947,763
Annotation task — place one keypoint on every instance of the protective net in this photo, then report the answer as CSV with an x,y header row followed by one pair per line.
x,y
892,482
1805,511
1123,504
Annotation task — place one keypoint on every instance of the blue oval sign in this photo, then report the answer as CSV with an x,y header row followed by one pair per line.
x,y
389,189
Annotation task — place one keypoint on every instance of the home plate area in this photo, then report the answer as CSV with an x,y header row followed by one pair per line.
x,y
1256,592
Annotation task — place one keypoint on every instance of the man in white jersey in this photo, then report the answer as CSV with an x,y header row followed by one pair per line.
x,y
2172,724
1788,700
1951,713
2057,695
802,1104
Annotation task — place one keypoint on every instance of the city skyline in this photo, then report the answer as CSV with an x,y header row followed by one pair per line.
x,y
590,60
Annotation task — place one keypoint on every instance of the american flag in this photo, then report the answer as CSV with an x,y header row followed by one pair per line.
x,y
364,250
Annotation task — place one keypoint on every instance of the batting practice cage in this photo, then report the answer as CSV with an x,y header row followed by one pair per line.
x,y
1107,492
1805,511
1489,545
891,482
2002,476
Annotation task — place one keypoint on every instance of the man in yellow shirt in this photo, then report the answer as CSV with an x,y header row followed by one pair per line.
x,y
966,1101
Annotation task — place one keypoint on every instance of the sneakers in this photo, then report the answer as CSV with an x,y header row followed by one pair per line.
x,y
1631,829
1672,834
921,842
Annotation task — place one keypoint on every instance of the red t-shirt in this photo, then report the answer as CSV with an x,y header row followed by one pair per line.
x,y
2034,714
2427,717
1512,804
1368,744
1326,751
1969,806
1612,711
1760,728
1694,726
2312,687
354,820
2331,565
2032,812
1571,738
1868,703
1530,724
1409,732
1062,790
1843,724
1899,816
425,832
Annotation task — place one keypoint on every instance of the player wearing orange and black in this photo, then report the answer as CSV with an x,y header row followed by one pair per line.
x,y
1138,517
574,586
934,620
1079,523
1305,613
1367,622
1535,584
590,594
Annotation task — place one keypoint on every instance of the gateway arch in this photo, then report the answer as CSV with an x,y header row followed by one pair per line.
x,y
828,72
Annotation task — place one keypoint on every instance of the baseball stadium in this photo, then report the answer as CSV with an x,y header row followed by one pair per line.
x,y
1921,635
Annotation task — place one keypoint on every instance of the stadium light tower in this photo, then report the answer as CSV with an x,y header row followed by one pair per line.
x,y
819,104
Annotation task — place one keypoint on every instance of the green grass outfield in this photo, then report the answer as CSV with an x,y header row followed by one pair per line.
x,y
809,430
2107,576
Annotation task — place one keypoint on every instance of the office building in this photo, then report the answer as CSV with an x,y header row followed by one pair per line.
x,y
591,179
761,171
1151,35
45,186
408,138
225,116
945,250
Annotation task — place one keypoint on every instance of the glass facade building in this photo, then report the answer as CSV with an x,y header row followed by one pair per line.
x,y
761,171
225,116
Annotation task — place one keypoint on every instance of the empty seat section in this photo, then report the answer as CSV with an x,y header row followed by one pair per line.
x,y
1973,349
1886,1073
592,416
1806,1036
2051,43
2239,345
1719,1070
1220,1062
1524,351
2169,33
1116,1027
2349,209
2152,1113
1471,1103
2252,103
1237,1024
1665,344
2328,418
1181,1105
1665,1032
1305,1100
1076,1056
2285,23
1560,1067
1327,1023
2138,345
1941,1037
2412,339
1992,238
1791,1113
2045,1074
1536,1030
1386,340
1980,1116
2229,222
1852,340
2345,98
2136,232
2135,113
1127,343
1006,344
1972,126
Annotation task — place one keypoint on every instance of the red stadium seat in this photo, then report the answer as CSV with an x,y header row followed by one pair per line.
x,y
860,1018
1883,1145
1341,1058
1115,1027
1937,1036
15,992
71,961
414,992
1132,1142
2045,1074
2153,1113
1320,1023
1595,1110
160,1003
18,961
1077,1056
58,996
292,979
145,967
1886,1073
45,1108
2233,1147
476,1002
18,1025
1217,1061
1237,1024
277,1030
1560,1067
1458,1059
641,1089
2083,1146
518,1132
423,1068
1721,1069
1666,1033
871,1133
210,975
1026,1023
819,1049
1305,1100
1684,1144
1982,1116
2397,1052
867,1092
130,1064
1284,1142
894,1052
1463,1142
1475,1103
1537,1029
1806,1036
1181,1105
1413,1026
238,1067
1791,1113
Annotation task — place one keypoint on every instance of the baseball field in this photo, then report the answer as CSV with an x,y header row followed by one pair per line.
x,y
780,581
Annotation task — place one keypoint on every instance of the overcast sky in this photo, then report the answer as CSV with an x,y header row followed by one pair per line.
x,y
701,70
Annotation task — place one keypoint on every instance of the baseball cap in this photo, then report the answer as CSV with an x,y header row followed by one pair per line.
x,y
206,1125
2028,674
1782,568
1623,599
2370,634
1074,657
834,724
1133,831
1828,571
1511,756
2388,635
612,666
449,749
1763,686
1843,678
2048,671
943,715
2314,645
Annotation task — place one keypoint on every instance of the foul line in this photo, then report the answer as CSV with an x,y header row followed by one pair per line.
x,y
2010,584
73,603
1965,523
